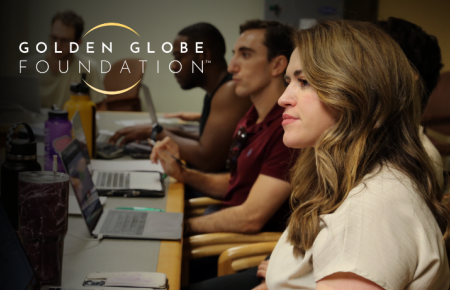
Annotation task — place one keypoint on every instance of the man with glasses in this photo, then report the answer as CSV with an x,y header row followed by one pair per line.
x,y
54,85
256,187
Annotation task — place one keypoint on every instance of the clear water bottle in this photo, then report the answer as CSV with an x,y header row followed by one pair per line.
x,y
20,157
58,132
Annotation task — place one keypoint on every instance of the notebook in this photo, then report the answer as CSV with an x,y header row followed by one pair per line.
x,y
117,223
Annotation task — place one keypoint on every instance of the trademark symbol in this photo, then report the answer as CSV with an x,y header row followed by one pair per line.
x,y
208,61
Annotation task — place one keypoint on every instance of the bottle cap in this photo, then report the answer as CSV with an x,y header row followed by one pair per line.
x,y
80,88
58,113
20,149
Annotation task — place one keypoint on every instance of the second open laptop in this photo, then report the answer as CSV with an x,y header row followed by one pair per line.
x,y
112,183
115,223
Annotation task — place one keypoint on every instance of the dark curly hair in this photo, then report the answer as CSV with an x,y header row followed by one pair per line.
x,y
421,48
278,36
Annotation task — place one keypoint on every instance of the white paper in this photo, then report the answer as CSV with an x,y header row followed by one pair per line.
x,y
128,123
125,165
74,208
161,120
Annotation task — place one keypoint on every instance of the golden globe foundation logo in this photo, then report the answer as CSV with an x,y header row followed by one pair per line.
x,y
133,47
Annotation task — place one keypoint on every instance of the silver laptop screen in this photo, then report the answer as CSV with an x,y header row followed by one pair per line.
x,y
82,183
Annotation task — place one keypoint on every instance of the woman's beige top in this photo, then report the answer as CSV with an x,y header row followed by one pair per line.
x,y
383,232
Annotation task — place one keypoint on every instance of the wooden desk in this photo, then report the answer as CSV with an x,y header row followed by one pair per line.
x,y
83,257
170,252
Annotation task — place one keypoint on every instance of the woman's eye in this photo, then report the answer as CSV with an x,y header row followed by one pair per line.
x,y
303,82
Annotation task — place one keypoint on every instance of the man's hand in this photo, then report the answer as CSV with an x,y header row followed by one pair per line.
x,y
262,269
262,286
166,151
132,133
185,116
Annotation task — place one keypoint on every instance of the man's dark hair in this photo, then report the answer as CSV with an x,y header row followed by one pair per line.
x,y
69,18
208,34
278,36
421,49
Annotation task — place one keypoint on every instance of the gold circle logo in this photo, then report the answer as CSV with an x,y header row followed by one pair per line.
x,y
112,92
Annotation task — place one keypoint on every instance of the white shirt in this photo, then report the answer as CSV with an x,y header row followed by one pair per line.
x,y
54,88
383,232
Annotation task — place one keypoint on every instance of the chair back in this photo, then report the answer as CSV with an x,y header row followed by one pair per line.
x,y
243,257
116,81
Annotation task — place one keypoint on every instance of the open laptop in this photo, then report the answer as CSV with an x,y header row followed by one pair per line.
x,y
119,183
16,272
116,223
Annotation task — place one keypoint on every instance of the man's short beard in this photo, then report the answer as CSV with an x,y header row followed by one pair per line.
x,y
189,86
193,82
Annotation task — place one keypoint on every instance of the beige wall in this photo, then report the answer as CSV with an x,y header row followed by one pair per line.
x,y
432,15
156,22
159,21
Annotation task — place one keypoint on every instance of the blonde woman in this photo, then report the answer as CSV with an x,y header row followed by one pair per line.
x,y
366,202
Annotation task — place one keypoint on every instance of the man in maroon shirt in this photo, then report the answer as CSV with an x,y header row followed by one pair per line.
x,y
256,186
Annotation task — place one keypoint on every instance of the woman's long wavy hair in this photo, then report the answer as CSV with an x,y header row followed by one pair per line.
x,y
360,72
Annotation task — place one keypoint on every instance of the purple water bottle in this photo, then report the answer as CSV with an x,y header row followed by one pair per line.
x,y
58,132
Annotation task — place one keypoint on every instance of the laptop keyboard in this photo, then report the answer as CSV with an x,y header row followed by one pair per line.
x,y
124,223
63,288
113,180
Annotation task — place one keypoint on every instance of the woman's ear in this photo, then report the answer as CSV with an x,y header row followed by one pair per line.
x,y
279,64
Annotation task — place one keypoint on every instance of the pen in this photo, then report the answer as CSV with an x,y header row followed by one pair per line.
x,y
142,208
176,159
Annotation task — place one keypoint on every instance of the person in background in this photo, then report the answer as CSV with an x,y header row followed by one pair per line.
x,y
63,66
256,186
423,52
367,211
256,189
221,111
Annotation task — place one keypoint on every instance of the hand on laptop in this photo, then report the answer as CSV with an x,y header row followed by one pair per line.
x,y
132,133
167,152
185,116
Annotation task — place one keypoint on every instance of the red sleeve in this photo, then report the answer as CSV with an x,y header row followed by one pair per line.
x,y
278,158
